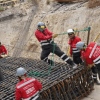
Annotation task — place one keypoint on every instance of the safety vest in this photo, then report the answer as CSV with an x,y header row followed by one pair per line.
x,y
27,89
72,44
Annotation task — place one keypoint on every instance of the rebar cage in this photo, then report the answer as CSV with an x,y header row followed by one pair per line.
x,y
63,82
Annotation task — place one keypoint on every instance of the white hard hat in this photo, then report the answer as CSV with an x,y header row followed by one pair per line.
x,y
80,45
20,71
70,31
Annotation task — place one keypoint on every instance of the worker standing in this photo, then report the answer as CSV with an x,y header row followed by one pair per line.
x,y
3,51
73,50
44,36
27,88
91,56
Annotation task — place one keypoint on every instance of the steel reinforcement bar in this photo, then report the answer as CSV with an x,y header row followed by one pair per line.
x,y
63,83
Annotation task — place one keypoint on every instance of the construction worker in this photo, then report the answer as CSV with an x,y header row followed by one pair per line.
x,y
27,88
44,36
73,50
3,51
91,55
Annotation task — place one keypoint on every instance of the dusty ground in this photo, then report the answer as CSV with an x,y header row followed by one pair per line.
x,y
95,94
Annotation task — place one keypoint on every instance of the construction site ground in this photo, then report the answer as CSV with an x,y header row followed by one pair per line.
x,y
95,94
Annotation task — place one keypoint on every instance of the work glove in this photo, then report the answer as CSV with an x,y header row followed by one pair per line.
x,y
54,35
3,55
91,65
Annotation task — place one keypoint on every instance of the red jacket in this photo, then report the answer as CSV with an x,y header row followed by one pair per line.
x,y
73,44
3,49
92,54
40,36
27,88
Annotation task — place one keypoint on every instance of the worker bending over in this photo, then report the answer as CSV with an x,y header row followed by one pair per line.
x,y
3,51
27,88
91,56
44,36
73,50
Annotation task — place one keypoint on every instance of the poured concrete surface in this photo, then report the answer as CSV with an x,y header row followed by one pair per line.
x,y
95,94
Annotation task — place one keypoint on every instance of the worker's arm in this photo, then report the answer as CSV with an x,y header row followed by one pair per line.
x,y
39,85
50,33
17,94
89,62
4,49
41,36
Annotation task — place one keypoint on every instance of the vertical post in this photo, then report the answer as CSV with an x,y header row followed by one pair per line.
x,y
89,28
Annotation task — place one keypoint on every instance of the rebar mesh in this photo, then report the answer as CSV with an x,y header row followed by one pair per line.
x,y
63,83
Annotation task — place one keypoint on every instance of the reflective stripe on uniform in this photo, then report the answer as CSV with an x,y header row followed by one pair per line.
x,y
63,55
25,83
75,50
45,44
92,50
45,58
98,58
97,62
66,59
35,96
43,41
51,41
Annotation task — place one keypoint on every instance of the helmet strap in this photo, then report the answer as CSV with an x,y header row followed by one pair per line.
x,y
20,78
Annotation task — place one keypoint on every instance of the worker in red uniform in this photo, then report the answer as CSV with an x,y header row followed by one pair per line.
x,y
44,36
73,50
27,88
3,50
91,55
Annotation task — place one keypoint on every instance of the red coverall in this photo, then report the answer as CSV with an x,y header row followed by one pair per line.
x,y
27,89
74,51
92,55
3,49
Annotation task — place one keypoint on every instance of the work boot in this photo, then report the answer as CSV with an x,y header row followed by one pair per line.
x,y
82,63
74,66
69,61
96,79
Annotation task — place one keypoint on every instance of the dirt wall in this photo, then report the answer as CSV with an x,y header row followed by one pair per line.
x,y
58,18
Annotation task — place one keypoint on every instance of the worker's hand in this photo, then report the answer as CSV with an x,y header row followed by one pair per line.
x,y
3,56
91,65
54,35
